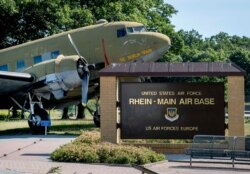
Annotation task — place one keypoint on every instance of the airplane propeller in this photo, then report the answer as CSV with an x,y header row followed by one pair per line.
x,y
83,72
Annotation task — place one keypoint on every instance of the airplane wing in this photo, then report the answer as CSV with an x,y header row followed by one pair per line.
x,y
11,82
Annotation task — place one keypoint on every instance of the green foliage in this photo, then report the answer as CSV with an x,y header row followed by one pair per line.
x,y
88,137
88,149
242,58
25,20
75,153
121,154
190,46
69,127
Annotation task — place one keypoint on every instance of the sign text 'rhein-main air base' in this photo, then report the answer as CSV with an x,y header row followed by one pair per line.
x,y
171,110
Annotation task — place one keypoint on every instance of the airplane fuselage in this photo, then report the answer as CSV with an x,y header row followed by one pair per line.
x,y
53,59
110,40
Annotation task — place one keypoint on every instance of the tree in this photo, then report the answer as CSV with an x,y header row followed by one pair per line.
x,y
65,115
242,59
191,38
26,20
7,11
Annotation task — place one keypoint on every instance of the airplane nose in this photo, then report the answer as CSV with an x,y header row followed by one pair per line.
x,y
162,40
166,40
160,43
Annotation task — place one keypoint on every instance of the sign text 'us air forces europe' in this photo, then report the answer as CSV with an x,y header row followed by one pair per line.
x,y
177,110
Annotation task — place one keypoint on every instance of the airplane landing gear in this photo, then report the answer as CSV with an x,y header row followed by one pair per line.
x,y
35,119
95,113
37,114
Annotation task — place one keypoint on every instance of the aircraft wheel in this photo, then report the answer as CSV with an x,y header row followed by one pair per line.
x,y
34,121
96,119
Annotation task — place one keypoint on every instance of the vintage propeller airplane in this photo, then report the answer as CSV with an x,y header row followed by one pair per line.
x,y
49,68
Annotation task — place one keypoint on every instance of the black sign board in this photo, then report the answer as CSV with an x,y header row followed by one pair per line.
x,y
171,110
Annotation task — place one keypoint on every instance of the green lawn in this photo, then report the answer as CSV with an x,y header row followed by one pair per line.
x,y
14,127
60,127
247,129
10,126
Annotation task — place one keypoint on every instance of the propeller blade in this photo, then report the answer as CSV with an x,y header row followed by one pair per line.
x,y
83,71
76,49
74,45
85,87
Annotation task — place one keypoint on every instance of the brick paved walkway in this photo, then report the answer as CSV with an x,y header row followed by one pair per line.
x,y
28,154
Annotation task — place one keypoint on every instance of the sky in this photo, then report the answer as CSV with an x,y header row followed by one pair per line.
x,y
209,17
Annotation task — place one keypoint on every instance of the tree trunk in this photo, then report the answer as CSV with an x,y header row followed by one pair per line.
x,y
80,113
22,114
14,113
65,113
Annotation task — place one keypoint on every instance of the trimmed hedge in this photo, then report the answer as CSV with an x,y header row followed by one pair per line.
x,y
88,148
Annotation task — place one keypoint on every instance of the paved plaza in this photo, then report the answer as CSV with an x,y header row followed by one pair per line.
x,y
30,154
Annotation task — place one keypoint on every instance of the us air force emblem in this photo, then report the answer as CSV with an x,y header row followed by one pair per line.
x,y
171,114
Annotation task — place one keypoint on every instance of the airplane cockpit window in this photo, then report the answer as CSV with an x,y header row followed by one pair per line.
x,y
130,29
121,32
139,29
136,29
4,67
20,65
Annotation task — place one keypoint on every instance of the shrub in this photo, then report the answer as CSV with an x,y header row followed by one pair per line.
x,y
88,149
88,137
75,153
115,154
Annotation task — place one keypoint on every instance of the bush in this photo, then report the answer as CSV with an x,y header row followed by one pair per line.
x,y
115,154
88,149
75,153
88,137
